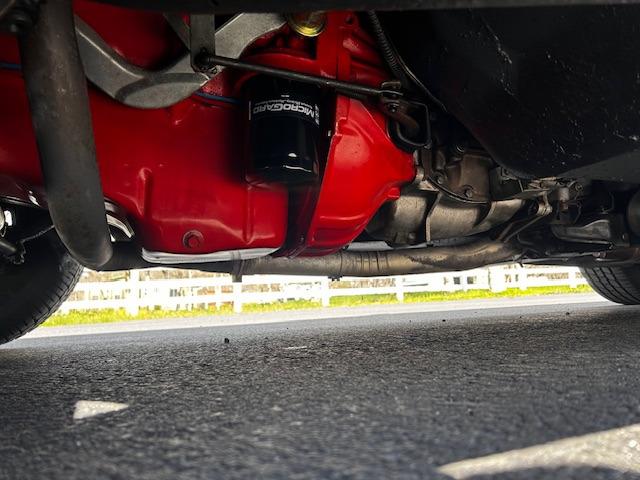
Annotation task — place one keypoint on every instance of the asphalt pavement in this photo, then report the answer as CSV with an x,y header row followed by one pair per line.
x,y
514,392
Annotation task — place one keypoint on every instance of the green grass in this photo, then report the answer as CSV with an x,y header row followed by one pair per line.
x,y
120,315
425,297
108,316
509,293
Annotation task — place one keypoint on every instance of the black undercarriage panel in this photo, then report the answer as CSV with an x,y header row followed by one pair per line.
x,y
547,91
232,6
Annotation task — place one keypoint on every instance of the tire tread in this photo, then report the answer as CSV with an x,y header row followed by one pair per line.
x,y
618,284
47,304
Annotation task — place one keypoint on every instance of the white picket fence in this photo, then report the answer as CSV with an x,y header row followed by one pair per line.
x,y
188,293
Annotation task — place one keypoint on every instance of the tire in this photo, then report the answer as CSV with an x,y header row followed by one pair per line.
x,y
31,292
618,284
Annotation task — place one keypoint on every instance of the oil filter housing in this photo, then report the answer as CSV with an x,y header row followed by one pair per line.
x,y
284,130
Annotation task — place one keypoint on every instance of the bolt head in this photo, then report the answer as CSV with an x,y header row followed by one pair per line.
x,y
193,239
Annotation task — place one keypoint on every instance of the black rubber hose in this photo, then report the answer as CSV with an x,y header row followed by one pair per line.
x,y
397,67
386,49
59,103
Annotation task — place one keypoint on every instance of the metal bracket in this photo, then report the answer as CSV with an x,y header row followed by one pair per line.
x,y
541,209
202,40
213,50
409,125
141,88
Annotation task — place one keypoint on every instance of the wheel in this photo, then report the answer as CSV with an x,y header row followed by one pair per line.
x,y
32,291
618,284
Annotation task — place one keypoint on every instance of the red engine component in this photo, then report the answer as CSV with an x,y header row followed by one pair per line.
x,y
174,171
363,171
179,172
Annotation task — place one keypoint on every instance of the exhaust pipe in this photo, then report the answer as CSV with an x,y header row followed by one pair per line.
x,y
59,103
345,263
381,263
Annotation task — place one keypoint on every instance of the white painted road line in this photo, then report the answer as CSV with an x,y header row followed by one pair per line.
x,y
617,449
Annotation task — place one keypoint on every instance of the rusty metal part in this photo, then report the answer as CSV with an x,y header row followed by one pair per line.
x,y
451,218
424,214
380,263
344,263
539,210
460,173
505,185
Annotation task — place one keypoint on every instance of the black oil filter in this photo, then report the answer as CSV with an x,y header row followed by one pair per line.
x,y
284,130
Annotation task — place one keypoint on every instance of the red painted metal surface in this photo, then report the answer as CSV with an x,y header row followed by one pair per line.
x,y
173,170
143,38
182,169
364,168
343,51
363,171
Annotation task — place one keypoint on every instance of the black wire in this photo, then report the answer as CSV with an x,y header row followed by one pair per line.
x,y
386,49
395,63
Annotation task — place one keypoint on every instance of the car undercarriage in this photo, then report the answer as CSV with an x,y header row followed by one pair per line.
x,y
334,138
